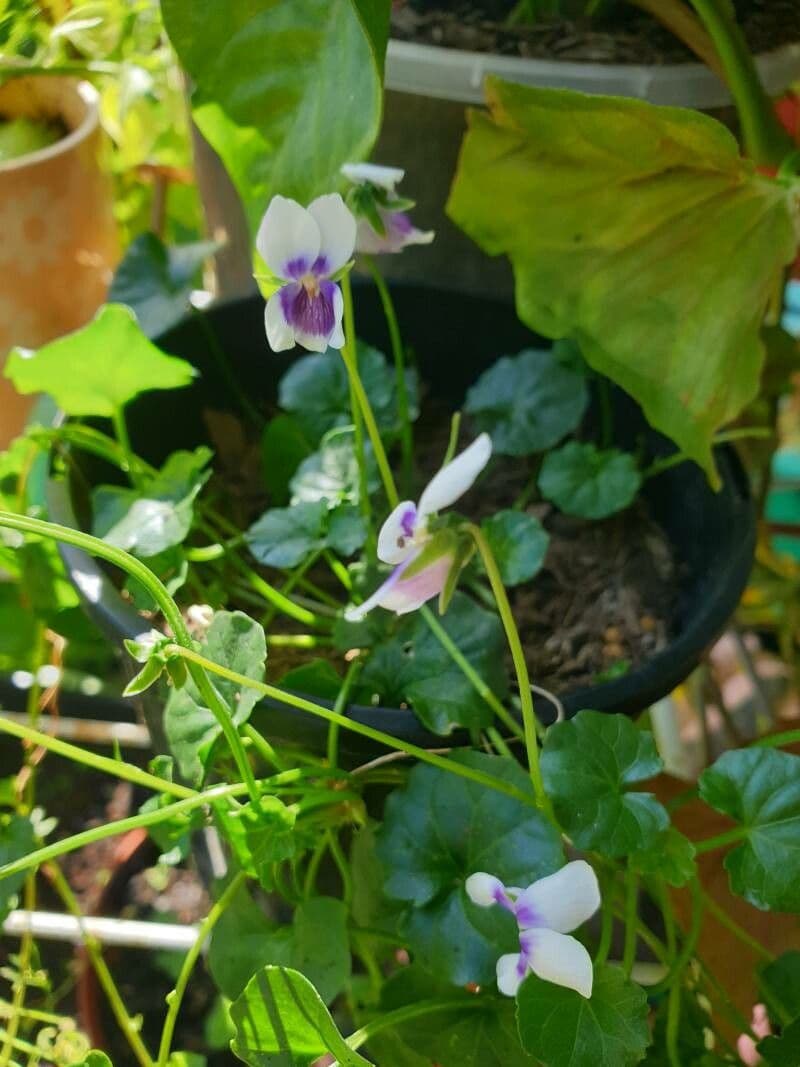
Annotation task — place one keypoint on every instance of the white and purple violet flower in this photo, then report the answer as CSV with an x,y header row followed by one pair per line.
x,y
305,248
546,913
383,221
422,565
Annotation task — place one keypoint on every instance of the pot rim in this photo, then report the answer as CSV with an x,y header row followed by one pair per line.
x,y
458,75
90,98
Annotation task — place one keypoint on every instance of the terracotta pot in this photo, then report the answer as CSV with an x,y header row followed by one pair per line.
x,y
59,241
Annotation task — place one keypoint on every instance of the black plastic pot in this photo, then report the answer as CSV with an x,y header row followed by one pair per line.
x,y
454,338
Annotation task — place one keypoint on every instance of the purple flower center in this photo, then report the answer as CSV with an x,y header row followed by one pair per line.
x,y
309,309
409,521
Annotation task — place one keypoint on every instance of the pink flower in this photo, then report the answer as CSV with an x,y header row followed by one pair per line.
x,y
746,1046
383,222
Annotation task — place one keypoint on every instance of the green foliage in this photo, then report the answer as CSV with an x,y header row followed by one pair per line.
x,y
17,839
149,520
331,473
155,281
560,1028
283,447
233,641
586,481
285,537
670,856
317,678
518,543
641,232
760,789
589,764
94,1058
99,368
440,829
413,666
316,390
314,942
281,1021
285,93
260,835
528,402
779,985
783,1051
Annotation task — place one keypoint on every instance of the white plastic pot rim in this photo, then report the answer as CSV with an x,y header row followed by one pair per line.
x,y
449,74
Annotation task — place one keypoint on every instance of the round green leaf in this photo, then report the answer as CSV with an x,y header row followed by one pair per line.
x,y
588,764
96,370
331,473
671,856
528,402
760,789
560,1028
519,544
440,829
284,537
588,482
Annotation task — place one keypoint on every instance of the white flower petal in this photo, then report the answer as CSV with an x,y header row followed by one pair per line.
x,y
560,959
509,978
336,339
337,227
395,541
288,238
456,477
484,889
409,594
385,177
280,334
561,901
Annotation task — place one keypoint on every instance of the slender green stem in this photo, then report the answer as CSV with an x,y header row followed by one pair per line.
x,y
90,440
22,978
452,442
733,927
313,867
674,1024
339,707
631,917
665,463
320,594
469,672
342,865
788,737
730,837
126,771
350,360
338,569
104,976
412,1011
382,738
130,466
209,553
401,384
278,600
351,363
497,741
175,998
606,920
521,667
765,139
689,944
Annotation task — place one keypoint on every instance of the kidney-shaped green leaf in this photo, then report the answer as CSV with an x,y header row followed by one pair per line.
x,y
97,369
519,544
760,789
589,764
641,232
589,482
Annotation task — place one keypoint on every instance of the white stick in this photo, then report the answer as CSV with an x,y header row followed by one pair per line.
x,y
52,926
88,731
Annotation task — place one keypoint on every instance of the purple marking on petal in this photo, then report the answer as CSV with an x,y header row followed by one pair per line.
x,y
310,314
398,223
504,900
409,521
527,916
296,268
320,266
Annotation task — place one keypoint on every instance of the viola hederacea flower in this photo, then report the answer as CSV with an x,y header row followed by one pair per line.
x,y
791,315
383,221
423,560
546,913
305,248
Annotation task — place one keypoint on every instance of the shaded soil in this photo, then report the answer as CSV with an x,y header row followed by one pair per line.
x,y
630,37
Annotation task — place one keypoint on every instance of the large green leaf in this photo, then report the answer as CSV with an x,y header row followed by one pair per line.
x,y
149,520
589,764
783,1051
233,641
779,985
760,789
284,537
281,1021
17,839
96,370
413,666
471,1031
530,401
560,1028
440,829
315,942
260,835
156,281
639,231
285,92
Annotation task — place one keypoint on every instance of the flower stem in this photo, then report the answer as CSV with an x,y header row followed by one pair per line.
x,y
342,698
733,927
351,363
765,140
412,1011
730,837
285,697
401,385
136,569
520,666
129,463
631,917
689,944
175,998
276,598
469,672
104,976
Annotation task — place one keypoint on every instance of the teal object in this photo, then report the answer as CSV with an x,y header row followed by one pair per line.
x,y
790,320
783,501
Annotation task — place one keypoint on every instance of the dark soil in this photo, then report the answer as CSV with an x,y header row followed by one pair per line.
x,y
629,37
